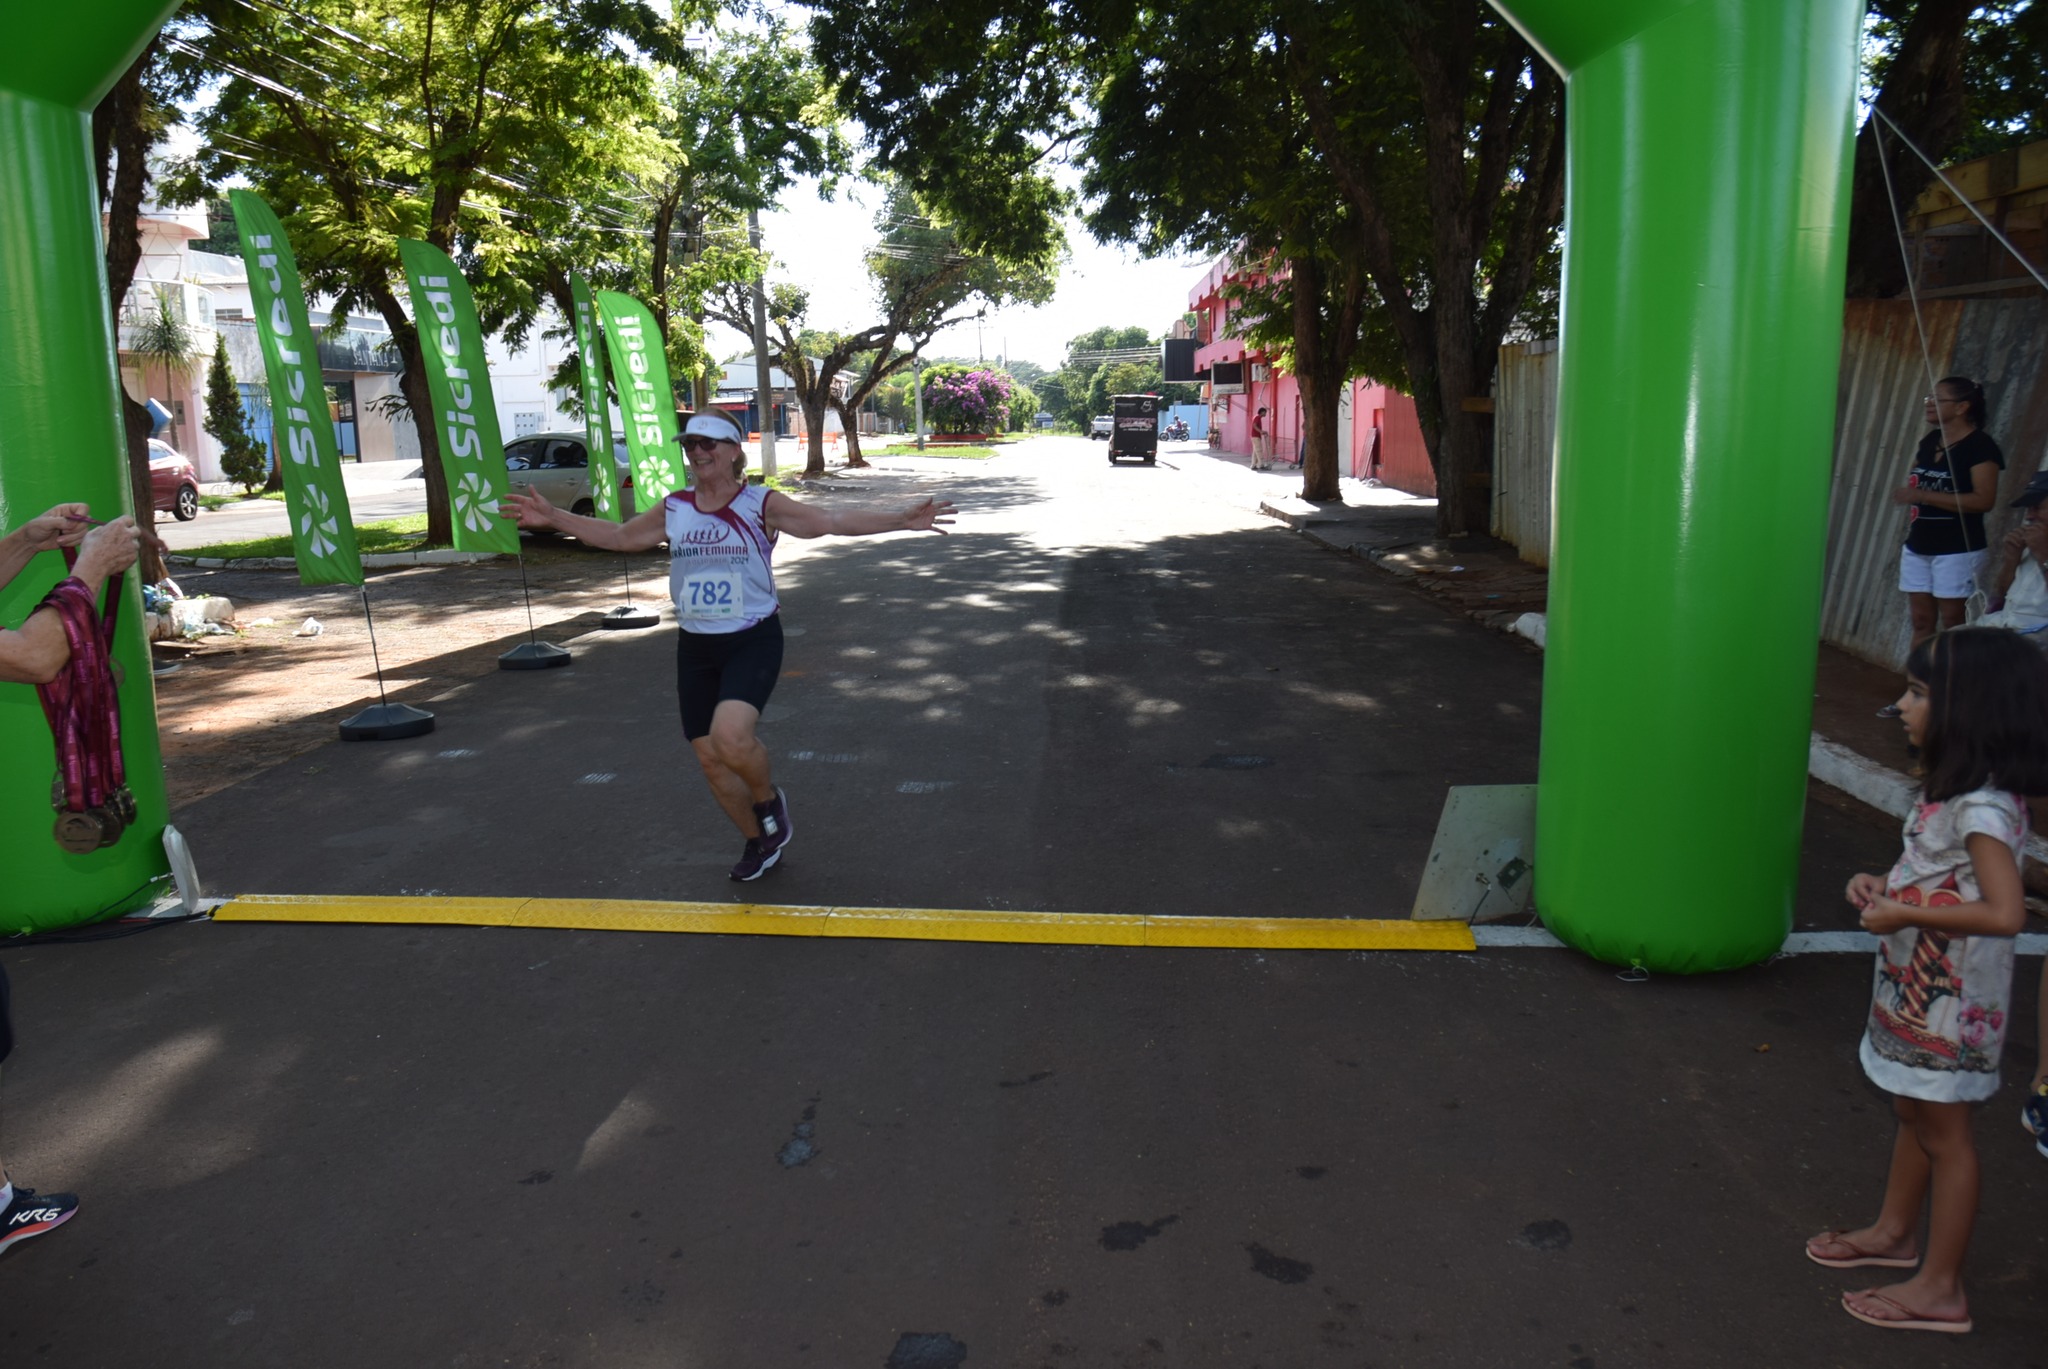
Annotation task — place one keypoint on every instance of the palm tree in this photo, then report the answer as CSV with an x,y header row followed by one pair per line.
x,y
163,337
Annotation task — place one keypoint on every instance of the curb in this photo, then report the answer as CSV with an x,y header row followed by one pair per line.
x,y
383,560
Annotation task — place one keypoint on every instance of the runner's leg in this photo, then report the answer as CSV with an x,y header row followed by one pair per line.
x,y
735,764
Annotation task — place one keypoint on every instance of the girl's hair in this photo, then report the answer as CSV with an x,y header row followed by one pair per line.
x,y
1987,712
1972,395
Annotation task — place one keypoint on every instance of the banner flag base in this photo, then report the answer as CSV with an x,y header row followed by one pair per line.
x,y
534,656
628,615
387,723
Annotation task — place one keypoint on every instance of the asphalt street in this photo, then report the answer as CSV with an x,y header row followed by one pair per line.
x,y
1118,690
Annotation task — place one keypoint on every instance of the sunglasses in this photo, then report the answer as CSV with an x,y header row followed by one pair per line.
x,y
694,443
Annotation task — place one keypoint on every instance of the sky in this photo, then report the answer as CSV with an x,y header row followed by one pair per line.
x,y
818,245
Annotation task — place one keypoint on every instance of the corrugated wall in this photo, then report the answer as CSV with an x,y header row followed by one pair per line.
x,y
1524,434
2002,343
1878,422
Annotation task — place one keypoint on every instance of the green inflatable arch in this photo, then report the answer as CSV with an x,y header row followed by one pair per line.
x,y
1706,205
60,435
1709,165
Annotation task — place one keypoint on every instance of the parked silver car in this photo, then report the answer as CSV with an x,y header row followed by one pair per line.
x,y
557,467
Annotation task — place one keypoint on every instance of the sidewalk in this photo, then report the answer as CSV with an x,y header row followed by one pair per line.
x,y
1854,750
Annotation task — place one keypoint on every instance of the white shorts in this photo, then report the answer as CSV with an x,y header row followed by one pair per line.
x,y
1945,577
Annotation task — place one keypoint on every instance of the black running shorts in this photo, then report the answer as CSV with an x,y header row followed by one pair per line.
x,y
714,667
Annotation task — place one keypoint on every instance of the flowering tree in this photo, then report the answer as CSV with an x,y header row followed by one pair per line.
x,y
967,399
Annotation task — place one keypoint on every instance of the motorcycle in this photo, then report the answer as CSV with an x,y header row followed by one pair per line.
x,y
1176,431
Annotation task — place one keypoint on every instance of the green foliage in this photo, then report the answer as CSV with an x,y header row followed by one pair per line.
x,y
1397,165
1080,389
925,278
502,131
920,79
2004,70
242,458
406,533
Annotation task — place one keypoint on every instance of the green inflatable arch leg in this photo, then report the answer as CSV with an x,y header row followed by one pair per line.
x,y
1706,207
60,436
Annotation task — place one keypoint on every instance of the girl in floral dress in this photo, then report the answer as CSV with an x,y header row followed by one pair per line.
x,y
1976,704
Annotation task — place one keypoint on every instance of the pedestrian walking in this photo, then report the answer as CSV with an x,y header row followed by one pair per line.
x,y
1262,442
721,536
1976,704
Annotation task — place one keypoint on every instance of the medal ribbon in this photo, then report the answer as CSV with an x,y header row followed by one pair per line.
x,y
81,704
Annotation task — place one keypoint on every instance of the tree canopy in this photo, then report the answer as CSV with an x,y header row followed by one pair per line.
x,y
1394,169
924,279
1963,80
497,130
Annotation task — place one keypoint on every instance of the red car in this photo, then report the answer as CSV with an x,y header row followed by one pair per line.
x,y
173,484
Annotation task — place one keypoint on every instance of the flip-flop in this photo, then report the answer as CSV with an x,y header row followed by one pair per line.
x,y
1911,1321
1861,1258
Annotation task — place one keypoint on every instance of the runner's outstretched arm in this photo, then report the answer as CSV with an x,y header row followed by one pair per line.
x,y
642,532
808,520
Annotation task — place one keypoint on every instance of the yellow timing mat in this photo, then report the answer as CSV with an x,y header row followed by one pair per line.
x,y
903,924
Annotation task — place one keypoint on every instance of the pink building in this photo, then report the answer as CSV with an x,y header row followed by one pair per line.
x,y
1377,435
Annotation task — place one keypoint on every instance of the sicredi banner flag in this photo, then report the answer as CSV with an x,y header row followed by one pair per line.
x,y
302,426
597,410
641,372
465,410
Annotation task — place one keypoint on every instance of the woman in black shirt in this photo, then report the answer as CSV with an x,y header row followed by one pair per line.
x,y
1954,481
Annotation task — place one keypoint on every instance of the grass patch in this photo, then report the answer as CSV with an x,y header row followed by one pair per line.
x,y
391,534
934,449
228,501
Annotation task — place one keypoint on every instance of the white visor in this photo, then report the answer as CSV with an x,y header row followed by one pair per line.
x,y
713,426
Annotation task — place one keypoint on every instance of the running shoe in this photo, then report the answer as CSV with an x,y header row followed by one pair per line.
x,y
774,819
32,1213
2034,1116
755,860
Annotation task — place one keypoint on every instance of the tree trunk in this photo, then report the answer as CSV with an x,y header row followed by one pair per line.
x,y
1462,446
1924,93
1318,372
412,383
847,417
814,433
121,141
135,426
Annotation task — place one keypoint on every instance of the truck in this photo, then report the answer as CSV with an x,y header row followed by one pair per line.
x,y
1134,428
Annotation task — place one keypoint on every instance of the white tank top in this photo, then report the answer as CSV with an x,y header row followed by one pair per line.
x,y
718,569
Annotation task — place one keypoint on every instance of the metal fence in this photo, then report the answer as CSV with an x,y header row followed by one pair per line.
x,y
2001,343
1524,434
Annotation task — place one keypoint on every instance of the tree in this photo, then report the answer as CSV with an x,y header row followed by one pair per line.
x,y
126,124
1399,166
923,275
738,128
1961,79
959,398
495,130
242,458
160,335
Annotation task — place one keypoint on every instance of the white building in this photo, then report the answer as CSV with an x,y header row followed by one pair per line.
x,y
209,293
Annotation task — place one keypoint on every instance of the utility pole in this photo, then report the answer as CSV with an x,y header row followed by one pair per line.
x,y
764,394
